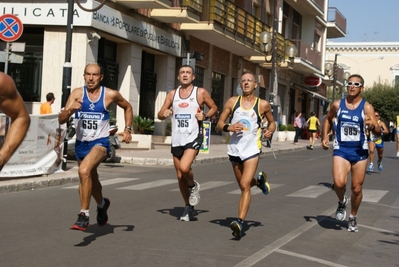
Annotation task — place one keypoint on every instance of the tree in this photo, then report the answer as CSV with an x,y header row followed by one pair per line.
x,y
385,100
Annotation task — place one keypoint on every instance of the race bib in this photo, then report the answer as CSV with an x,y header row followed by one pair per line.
x,y
350,131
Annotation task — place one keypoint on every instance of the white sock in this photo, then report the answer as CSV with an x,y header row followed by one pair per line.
x,y
86,212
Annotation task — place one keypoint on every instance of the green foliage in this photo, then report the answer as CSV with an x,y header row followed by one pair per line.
x,y
144,125
282,127
290,128
112,118
384,99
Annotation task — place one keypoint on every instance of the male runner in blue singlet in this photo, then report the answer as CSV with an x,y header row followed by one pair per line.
x,y
90,107
350,118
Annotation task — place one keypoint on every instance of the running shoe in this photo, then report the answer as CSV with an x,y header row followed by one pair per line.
x,y
371,167
262,184
188,213
352,225
379,166
236,227
340,214
397,155
194,198
102,216
82,223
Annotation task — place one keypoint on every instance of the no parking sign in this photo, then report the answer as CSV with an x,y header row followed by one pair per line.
x,y
11,28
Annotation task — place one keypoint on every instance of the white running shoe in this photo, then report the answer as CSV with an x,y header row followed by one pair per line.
x,y
340,214
194,198
352,225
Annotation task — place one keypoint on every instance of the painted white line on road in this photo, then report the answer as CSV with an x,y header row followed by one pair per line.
x,y
266,251
255,191
149,185
312,191
373,196
328,263
209,185
107,182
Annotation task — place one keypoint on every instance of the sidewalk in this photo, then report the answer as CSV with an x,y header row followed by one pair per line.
x,y
153,157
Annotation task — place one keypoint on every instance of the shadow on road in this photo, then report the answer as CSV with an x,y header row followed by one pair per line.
x,y
328,222
98,231
178,211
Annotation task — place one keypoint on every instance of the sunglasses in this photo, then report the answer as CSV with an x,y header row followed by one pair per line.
x,y
355,84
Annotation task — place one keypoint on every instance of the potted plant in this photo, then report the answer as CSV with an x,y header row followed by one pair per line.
x,y
143,125
282,132
290,132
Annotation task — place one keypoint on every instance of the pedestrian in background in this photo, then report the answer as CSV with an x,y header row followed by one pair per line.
x,y
397,135
313,123
45,108
377,142
351,117
298,127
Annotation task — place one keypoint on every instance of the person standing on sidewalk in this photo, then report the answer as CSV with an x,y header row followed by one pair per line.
x,y
377,142
90,107
45,108
313,123
12,104
351,117
244,147
185,104
298,127
397,135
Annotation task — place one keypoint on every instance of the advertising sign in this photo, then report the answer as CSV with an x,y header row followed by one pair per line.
x,y
206,143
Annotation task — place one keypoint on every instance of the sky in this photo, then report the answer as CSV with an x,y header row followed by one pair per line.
x,y
369,20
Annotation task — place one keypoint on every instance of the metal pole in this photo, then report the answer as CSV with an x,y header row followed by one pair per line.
x,y
67,72
274,55
334,77
7,57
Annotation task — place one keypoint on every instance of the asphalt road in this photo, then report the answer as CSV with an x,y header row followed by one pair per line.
x,y
292,226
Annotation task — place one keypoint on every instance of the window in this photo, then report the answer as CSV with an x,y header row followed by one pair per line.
x,y
28,75
199,77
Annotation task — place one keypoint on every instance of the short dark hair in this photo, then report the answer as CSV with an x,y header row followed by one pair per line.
x,y
186,66
50,96
357,76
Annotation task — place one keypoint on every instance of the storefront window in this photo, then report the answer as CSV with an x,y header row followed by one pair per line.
x,y
28,75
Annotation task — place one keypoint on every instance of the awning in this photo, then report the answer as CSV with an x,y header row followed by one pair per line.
x,y
314,94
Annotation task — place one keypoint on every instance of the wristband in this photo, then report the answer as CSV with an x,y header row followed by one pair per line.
x,y
129,128
225,128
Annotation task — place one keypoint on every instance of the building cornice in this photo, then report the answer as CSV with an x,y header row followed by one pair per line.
x,y
362,46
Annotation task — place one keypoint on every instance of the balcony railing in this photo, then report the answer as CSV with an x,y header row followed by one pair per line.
x,y
335,16
192,5
307,53
319,3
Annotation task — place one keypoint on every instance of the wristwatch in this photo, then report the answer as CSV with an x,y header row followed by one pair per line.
x,y
129,128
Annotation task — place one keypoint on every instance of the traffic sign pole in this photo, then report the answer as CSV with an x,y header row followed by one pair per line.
x,y
7,57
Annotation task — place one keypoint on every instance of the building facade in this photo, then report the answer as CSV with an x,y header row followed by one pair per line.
x,y
377,62
141,45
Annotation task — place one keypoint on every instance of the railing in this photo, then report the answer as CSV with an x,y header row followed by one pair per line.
x,y
193,5
319,3
335,16
306,52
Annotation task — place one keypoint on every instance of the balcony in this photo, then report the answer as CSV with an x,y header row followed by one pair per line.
x,y
187,12
336,24
227,26
307,7
144,4
308,60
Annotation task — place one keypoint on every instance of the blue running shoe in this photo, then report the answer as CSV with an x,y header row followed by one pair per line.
x,y
236,227
371,167
379,166
262,184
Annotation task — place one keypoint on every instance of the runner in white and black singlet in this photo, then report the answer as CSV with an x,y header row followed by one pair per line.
x,y
246,113
185,104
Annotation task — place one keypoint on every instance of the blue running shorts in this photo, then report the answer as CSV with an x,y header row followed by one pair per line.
x,y
82,148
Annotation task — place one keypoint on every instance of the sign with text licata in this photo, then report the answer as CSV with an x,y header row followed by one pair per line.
x,y
105,19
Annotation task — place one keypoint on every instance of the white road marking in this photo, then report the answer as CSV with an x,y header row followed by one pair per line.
x,y
209,185
373,196
107,182
149,185
312,191
255,191
328,263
